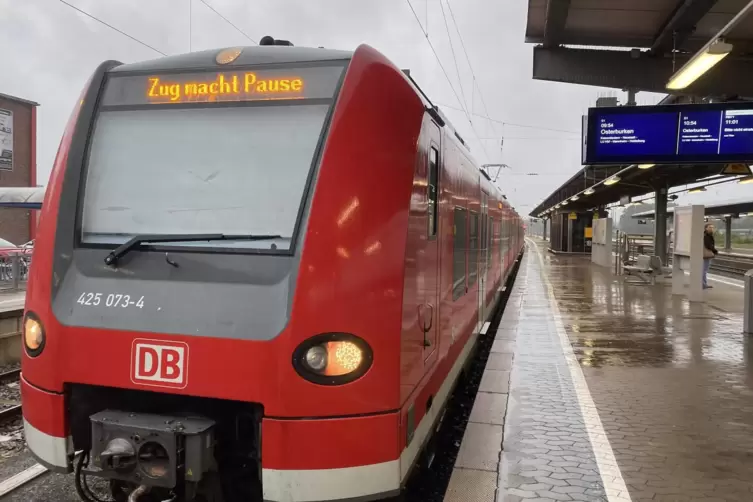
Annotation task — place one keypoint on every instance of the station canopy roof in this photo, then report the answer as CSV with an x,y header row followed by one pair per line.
x,y
633,181
639,44
17,99
734,207
22,197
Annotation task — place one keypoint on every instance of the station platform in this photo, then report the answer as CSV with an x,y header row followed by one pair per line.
x,y
610,391
12,300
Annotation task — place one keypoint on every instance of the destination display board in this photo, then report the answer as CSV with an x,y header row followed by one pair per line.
x,y
223,86
672,134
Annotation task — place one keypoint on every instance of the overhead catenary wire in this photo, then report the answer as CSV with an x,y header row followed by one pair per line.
x,y
229,22
95,18
447,76
426,35
513,124
454,58
470,65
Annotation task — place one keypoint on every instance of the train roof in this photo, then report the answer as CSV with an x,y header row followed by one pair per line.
x,y
250,55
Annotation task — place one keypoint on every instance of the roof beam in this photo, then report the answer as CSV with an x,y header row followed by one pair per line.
x,y
556,16
622,70
574,38
680,25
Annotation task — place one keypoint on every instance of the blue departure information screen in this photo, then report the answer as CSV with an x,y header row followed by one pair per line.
x,y
719,132
649,134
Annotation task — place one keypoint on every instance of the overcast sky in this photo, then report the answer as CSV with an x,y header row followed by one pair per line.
x,y
49,51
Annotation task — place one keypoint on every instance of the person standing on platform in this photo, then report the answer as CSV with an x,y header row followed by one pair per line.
x,y
709,251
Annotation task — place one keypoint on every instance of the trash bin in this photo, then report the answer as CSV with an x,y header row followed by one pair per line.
x,y
748,316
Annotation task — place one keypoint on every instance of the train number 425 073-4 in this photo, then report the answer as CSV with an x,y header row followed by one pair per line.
x,y
111,300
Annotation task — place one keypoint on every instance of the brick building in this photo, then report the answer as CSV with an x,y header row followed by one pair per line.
x,y
18,163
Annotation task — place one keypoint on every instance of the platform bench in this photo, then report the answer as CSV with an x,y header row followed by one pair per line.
x,y
644,269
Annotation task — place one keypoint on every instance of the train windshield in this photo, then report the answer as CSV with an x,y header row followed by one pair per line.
x,y
190,165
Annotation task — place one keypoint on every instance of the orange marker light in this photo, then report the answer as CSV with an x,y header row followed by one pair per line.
x,y
228,55
343,358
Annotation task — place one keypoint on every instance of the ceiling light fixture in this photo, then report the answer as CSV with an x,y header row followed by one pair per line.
x,y
703,61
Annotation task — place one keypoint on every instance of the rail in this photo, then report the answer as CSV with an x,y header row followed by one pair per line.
x,y
12,411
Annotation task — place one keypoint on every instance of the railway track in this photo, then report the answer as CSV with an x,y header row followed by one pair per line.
x,y
13,411
10,413
10,376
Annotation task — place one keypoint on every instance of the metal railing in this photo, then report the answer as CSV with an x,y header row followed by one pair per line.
x,y
14,270
629,246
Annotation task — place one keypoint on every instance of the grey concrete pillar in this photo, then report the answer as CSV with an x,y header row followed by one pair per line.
x,y
660,225
727,233
545,229
631,98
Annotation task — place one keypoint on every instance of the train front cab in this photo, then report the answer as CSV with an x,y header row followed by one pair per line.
x,y
216,336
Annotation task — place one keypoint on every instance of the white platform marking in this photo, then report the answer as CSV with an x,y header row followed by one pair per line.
x,y
485,328
725,280
609,470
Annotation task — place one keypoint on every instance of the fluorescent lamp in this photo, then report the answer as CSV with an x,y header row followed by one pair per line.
x,y
645,166
746,180
565,202
697,190
589,191
612,180
574,198
699,64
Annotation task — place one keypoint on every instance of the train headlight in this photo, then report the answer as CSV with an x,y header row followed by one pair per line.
x,y
34,337
316,358
332,358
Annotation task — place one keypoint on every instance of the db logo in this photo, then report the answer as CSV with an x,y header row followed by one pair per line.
x,y
159,363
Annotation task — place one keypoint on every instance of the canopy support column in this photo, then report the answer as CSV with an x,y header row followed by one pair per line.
x,y
660,225
727,233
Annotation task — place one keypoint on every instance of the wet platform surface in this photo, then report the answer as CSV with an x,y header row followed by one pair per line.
x,y
618,391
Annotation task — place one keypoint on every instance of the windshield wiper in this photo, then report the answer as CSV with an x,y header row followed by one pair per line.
x,y
137,240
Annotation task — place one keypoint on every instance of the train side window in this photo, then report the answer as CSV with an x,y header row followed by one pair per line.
x,y
460,233
473,249
433,190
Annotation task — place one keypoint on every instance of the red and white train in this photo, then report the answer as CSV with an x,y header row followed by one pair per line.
x,y
257,276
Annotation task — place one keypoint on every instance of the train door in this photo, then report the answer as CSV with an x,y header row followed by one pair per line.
x,y
430,263
482,260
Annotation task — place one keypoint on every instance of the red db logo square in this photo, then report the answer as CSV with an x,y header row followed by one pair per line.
x,y
159,363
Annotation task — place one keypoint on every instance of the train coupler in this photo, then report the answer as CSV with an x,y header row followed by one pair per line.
x,y
155,451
